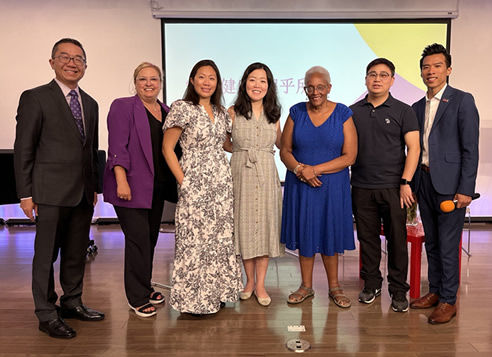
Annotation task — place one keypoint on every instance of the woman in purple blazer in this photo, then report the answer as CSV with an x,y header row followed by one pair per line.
x,y
137,181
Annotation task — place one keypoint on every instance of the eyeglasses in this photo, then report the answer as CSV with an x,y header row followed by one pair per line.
x,y
319,88
77,60
383,75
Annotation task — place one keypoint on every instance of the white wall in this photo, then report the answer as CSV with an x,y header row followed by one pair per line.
x,y
471,50
119,34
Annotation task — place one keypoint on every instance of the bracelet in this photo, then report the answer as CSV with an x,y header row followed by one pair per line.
x,y
297,168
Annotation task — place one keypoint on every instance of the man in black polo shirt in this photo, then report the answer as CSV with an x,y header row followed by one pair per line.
x,y
380,182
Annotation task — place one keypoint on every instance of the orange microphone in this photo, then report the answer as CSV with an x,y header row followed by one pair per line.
x,y
450,205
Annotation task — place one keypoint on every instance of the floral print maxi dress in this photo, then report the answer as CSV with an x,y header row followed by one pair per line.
x,y
206,268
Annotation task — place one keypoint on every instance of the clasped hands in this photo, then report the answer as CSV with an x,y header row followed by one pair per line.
x,y
308,174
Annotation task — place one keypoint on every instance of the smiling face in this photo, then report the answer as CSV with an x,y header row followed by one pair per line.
x,y
204,82
434,72
68,73
318,89
257,85
148,84
379,80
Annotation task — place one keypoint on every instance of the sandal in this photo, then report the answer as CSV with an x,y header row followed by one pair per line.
x,y
300,295
156,298
140,311
339,298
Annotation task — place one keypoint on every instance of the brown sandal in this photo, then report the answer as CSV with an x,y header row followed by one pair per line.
x,y
300,295
339,298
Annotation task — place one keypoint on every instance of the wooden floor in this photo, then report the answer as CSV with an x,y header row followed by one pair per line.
x,y
243,328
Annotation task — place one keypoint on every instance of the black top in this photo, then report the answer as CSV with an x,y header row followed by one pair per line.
x,y
381,144
156,136
162,174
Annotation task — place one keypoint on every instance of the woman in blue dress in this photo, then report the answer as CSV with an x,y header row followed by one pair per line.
x,y
319,142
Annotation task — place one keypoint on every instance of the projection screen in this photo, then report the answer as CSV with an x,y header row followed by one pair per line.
x,y
291,48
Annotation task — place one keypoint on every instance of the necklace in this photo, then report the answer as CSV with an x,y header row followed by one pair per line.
x,y
154,107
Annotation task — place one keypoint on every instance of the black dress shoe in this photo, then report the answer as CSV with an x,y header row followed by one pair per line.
x,y
82,313
57,328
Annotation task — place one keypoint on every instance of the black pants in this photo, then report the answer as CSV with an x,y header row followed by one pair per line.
x,y
141,229
64,230
370,206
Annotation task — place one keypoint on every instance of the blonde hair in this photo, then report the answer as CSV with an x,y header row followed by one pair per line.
x,y
317,70
145,65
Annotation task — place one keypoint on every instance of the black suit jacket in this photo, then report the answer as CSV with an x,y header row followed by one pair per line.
x,y
53,165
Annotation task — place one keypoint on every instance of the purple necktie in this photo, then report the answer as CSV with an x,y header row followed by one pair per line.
x,y
76,111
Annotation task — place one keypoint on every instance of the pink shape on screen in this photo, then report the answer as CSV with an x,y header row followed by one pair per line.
x,y
402,90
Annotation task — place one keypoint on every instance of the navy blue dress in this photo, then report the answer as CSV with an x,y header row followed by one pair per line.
x,y
318,219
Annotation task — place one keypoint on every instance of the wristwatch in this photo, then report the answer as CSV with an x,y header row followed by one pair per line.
x,y
404,181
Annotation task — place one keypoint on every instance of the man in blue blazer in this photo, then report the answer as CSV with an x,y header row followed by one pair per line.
x,y
449,126
55,160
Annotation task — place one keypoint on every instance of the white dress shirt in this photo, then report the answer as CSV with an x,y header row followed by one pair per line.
x,y
66,90
431,106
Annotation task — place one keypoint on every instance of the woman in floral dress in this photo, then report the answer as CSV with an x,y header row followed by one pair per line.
x,y
206,269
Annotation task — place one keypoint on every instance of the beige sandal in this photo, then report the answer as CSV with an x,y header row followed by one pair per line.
x,y
339,298
300,295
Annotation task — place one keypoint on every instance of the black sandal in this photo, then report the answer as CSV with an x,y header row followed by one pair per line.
x,y
156,298
140,311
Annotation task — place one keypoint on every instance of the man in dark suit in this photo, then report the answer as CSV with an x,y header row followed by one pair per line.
x,y
449,126
55,159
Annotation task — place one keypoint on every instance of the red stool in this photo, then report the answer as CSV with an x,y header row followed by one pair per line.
x,y
416,238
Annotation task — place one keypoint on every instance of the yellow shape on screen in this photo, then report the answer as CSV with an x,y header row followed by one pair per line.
x,y
402,44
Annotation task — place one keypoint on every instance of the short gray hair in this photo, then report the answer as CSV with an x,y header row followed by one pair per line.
x,y
317,70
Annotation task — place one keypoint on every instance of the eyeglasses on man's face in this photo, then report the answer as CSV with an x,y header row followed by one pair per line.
x,y
319,88
77,60
382,75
